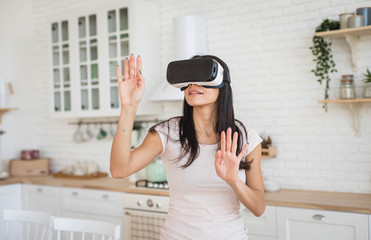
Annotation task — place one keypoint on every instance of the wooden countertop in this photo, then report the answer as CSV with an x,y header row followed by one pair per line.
x,y
336,201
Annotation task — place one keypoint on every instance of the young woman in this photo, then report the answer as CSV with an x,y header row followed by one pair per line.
x,y
209,166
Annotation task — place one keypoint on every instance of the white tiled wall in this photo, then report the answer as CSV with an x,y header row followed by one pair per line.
x,y
266,45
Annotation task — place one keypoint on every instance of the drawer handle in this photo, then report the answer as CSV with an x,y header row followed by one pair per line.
x,y
75,193
319,217
105,196
39,189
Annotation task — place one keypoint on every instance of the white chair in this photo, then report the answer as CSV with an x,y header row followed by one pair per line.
x,y
84,228
22,224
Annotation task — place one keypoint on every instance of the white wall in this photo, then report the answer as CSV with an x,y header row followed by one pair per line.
x,y
265,44
16,66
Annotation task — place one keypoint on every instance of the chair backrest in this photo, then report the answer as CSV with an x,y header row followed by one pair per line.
x,y
83,228
23,224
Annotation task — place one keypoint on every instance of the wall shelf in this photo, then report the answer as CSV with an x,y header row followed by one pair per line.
x,y
354,106
4,110
351,36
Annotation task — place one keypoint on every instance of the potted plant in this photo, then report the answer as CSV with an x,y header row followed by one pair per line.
x,y
367,87
321,49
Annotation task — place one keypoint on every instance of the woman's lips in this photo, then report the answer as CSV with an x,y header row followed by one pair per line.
x,y
193,92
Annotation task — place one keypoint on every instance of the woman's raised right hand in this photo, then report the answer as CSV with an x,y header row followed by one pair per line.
x,y
132,87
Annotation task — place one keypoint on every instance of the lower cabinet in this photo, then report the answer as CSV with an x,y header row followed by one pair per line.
x,y
93,204
10,198
41,198
260,228
309,224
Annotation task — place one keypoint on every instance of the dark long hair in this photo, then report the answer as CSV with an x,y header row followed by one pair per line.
x,y
225,119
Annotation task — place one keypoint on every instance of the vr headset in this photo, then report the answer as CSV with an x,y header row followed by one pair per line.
x,y
206,72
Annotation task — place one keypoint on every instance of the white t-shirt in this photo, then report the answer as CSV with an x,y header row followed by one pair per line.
x,y
202,205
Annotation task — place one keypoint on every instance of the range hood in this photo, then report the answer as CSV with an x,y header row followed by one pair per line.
x,y
190,39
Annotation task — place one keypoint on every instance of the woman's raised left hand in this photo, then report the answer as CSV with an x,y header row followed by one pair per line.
x,y
226,162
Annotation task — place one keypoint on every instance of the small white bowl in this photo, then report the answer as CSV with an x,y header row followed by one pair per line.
x,y
4,175
272,185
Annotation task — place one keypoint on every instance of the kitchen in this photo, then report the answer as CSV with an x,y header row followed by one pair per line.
x,y
266,46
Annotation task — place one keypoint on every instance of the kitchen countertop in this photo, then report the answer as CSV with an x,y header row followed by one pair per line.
x,y
336,201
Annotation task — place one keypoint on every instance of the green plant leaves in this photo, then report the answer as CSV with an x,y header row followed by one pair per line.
x,y
321,50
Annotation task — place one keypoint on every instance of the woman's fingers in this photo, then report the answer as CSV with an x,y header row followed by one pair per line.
x,y
229,139
139,65
234,143
118,73
222,142
126,69
132,66
243,152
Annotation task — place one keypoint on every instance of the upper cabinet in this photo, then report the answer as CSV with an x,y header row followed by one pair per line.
x,y
87,46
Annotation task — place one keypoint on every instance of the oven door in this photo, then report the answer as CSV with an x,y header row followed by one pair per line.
x,y
141,225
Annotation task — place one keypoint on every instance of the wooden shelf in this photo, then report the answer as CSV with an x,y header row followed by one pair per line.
x,y
356,100
351,36
270,152
4,110
354,106
342,33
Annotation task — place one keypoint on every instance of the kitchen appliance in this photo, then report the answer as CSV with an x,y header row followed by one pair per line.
x,y
155,171
144,215
154,185
28,168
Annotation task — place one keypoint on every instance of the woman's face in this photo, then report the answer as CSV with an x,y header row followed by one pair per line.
x,y
197,95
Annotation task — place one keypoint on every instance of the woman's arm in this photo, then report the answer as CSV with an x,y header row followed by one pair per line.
x,y
125,162
251,194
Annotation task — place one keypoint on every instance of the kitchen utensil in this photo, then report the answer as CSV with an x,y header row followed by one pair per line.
x,y
344,19
78,136
272,185
102,133
4,175
355,21
26,155
366,13
89,131
155,172
347,90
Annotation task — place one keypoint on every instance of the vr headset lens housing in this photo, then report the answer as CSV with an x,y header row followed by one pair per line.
x,y
205,72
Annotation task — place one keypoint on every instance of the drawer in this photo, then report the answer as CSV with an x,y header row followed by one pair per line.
x,y
92,201
265,225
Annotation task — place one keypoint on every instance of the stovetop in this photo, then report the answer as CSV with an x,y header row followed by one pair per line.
x,y
152,185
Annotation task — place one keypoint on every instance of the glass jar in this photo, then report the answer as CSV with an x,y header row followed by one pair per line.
x,y
347,90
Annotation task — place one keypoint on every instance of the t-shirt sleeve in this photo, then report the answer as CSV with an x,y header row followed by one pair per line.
x,y
162,132
253,139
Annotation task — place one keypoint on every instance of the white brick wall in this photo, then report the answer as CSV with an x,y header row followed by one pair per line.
x,y
265,44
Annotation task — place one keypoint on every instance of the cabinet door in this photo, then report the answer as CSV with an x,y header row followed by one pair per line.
x,y
10,198
60,45
92,201
309,224
264,225
41,198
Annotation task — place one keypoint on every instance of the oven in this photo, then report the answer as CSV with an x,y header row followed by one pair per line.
x,y
144,215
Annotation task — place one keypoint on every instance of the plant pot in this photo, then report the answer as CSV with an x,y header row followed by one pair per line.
x,y
367,90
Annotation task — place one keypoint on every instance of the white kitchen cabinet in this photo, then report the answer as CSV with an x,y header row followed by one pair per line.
x,y
309,224
41,198
87,45
93,204
10,198
260,228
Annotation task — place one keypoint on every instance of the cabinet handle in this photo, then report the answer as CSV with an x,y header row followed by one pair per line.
x,y
319,217
75,193
105,196
39,189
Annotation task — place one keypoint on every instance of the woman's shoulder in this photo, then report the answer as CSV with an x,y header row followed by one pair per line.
x,y
169,124
248,132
